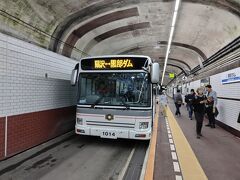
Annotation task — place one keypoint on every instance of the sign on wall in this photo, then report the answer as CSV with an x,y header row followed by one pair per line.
x,y
205,81
231,76
171,75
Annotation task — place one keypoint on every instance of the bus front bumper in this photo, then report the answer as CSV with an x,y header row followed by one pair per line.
x,y
113,133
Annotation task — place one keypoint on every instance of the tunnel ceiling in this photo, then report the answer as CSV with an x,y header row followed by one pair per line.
x,y
78,28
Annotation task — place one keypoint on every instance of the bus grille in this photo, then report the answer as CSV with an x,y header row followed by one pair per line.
x,y
110,124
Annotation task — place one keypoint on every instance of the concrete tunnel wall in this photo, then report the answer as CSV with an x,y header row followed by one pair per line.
x,y
36,98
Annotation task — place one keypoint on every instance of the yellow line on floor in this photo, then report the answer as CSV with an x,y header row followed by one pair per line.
x,y
190,167
151,157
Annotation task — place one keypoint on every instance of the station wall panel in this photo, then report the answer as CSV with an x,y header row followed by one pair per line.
x,y
34,82
2,136
194,85
228,101
229,109
32,78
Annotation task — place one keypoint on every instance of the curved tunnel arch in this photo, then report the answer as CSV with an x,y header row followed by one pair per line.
x,y
177,44
179,67
97,22
178,60
114,32
189,47
103,7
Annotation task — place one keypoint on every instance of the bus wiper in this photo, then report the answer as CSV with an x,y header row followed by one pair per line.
x,y
141,91
125,104
96,102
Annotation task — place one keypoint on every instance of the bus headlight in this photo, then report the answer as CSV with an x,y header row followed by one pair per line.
x,y
79,121
143,125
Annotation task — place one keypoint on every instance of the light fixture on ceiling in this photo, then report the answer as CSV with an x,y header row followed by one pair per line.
x,y
157,46
177,4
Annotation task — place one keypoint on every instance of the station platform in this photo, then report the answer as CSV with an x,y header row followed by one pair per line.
x,y
180,155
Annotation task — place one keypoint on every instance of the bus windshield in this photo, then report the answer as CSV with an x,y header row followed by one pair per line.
x,y
115,89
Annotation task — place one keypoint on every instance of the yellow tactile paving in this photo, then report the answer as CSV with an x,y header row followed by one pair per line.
x,y
190,167
151,157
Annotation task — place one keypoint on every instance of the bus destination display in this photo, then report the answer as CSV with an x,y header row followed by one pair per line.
x,y
113,63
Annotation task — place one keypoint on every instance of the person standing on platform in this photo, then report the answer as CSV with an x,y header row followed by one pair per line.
x,y
199,109
163,103
188,99
178,102
211,104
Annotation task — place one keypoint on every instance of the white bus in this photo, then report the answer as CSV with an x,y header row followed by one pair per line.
x,y
115,96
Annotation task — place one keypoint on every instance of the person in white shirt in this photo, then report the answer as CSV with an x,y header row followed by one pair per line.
x,y
163,103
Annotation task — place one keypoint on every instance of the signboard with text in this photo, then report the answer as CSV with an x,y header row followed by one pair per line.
x,y
120,63
231,76
171,75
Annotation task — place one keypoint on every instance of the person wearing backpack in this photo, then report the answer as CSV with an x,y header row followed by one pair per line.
x,y
178,102
188,100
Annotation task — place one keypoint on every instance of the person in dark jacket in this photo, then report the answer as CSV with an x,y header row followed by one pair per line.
x,y
188,99
199,110
178,102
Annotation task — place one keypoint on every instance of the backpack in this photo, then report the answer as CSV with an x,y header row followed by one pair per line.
x,y
187,99
179,99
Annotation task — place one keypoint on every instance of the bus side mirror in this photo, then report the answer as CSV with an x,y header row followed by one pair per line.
x,y
74,75
155,70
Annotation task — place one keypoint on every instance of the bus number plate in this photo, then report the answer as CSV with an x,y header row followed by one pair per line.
x,y
109,134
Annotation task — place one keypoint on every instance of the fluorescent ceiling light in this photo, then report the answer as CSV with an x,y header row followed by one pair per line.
x,y
174,18
177,4
157,46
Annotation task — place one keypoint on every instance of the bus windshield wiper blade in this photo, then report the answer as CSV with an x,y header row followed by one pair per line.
x,y
125,104
96,102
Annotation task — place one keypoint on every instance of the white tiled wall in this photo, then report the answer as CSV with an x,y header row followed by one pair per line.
x,y
194,85
24,86
228,109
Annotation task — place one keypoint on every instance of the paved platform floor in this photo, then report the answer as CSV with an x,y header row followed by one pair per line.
x,y
218,151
